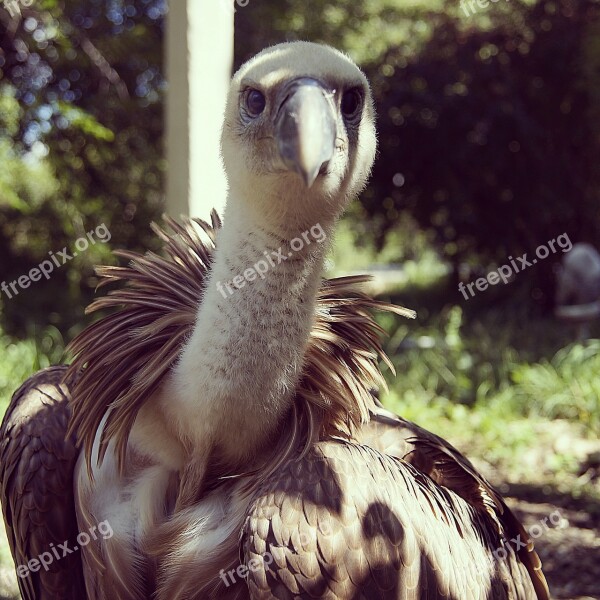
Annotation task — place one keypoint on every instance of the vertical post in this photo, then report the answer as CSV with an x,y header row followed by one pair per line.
x,y
199,57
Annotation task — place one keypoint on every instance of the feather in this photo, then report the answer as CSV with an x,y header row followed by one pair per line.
x,y
36,486
121,360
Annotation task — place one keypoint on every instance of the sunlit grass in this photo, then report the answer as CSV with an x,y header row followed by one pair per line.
x,y
507,386
19,360
518,448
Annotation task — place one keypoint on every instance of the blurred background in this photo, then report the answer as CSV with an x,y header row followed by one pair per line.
x,y
489,129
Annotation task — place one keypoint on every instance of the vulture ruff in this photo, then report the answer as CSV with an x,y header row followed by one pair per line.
x,y
154,314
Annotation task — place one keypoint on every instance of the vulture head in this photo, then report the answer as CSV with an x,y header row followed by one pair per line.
x,y
299,126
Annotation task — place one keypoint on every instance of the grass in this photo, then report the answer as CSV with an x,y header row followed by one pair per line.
x,y
21,358
493,375
489,361
505,384
506,445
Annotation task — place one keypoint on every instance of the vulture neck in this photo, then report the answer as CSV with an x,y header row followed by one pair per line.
x,y
237,374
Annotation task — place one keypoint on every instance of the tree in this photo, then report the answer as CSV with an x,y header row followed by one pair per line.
x,y
88,80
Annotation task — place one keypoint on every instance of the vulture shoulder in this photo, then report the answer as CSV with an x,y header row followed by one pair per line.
x,y
36,486
400,514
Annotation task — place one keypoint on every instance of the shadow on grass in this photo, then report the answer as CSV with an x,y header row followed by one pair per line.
x,y
550,494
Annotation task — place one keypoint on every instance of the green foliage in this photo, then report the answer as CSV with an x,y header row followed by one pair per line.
x,y
491,130
19,360
85,122
363,29
406,244
494,433
483,382
9,111
443,360
488,128
24,184
566,387
22,358
80,145
487,363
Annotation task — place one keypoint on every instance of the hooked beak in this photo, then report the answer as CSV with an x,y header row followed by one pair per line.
x,y
305,128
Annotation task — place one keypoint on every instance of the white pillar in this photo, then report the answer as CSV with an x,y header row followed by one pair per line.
x,y
199,58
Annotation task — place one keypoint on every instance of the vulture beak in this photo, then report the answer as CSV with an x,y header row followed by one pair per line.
x,y
305,128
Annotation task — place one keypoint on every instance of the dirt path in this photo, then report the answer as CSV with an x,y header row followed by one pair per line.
x,y
570,551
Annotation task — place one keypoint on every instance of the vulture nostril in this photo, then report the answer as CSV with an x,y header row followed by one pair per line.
x,y
324,168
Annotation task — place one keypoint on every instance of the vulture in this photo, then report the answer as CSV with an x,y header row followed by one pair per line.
x,y
217,434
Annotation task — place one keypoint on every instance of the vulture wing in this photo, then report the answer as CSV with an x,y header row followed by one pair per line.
x,y
36,484
352,521
446,466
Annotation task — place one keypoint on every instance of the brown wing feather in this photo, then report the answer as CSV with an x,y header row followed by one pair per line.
x,y
36,484
348,522
446,466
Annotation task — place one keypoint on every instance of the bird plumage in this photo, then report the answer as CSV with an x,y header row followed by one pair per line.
x,y
36,487
266,441
350,522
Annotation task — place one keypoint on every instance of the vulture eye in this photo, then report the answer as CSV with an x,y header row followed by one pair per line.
x,y
255,102
351,103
